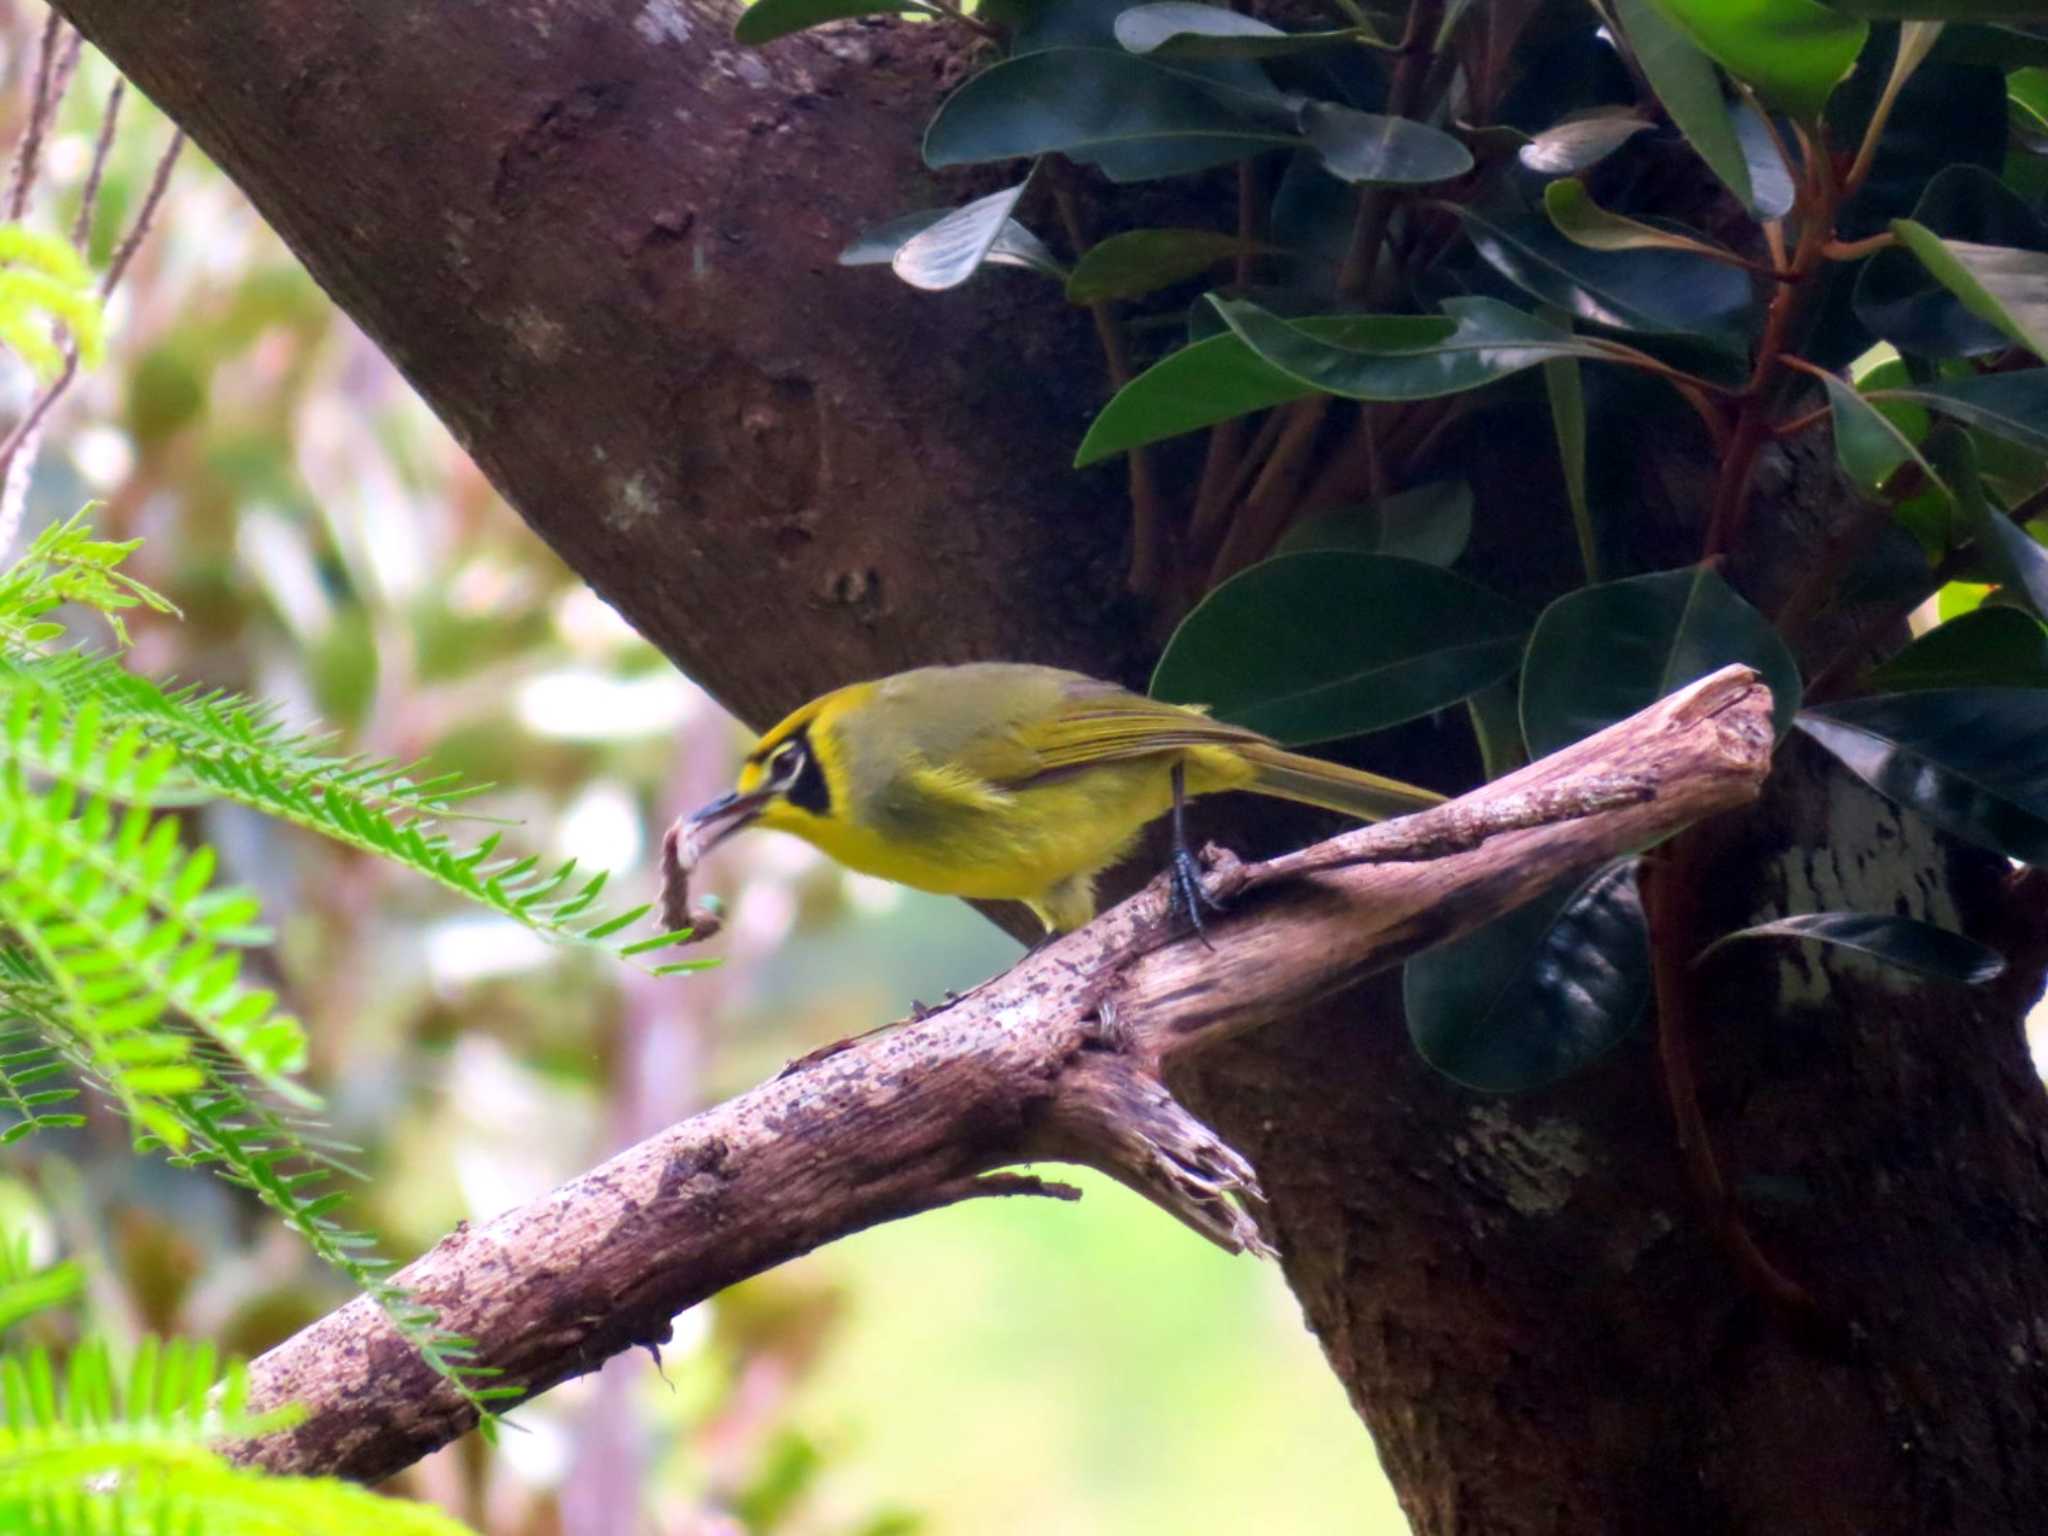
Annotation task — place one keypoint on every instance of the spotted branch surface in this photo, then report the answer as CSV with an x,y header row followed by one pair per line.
x,y
1060,1059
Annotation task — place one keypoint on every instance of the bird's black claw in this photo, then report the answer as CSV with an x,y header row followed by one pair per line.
x,y
1189,894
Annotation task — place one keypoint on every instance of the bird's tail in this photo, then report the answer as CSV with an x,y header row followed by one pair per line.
x,y
1352,791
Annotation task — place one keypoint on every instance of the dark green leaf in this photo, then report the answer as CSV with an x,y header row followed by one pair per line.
x,y
766,20
1538,994
1491,341
1868,445
1368,149
1647,290
1600,654
1131,117
1178,30
1974,761
2002,285
1904,942
1312,647
1792,53
1899,299
1221,377
1685,82
1568,147
1987,647
2013,406
1565,387
1949,113
2006,549
1431,523
1142,261
1940,10
1575,215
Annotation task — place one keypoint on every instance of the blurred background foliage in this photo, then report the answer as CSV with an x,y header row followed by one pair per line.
x,y
989,1369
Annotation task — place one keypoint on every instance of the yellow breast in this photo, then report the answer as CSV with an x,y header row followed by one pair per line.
x,y
940,830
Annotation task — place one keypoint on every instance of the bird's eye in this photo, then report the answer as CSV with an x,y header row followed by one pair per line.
x,y
786,764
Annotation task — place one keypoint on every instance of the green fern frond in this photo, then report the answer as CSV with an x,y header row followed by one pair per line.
x,y
26,1289
224,747
91,1449
125,924
118,952
45,288
220,742
66,564
33,1080
21,246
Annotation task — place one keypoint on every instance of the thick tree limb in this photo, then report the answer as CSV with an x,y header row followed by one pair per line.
x,y
1059,1058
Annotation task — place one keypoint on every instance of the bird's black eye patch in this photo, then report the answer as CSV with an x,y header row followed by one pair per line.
x,y
794,773
809,792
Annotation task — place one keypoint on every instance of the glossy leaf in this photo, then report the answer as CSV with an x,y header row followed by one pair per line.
x,y
1431,523
952,248
1491,340
1685,82
2001,285
1769,175
1570,146
2011,554
1015,246
765,20
1220,377
1941,10
1974,761
1142,261
1368,149
1639,290
1602,653
1133,118
1902,942
1792,53
1899,299
1538,994
1984,648
1175,29
1311,647
1575,215
2013,406
1868,445
1565,387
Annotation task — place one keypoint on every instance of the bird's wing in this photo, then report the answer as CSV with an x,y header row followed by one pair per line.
x,y
1103,723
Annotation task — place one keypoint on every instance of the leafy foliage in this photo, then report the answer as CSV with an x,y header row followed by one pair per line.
x,y
89,1448
1453,216
120,951
48,296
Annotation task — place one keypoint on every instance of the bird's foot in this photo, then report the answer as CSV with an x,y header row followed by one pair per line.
x,y
1188,894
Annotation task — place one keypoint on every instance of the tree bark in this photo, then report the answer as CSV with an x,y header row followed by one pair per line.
x,y
598,237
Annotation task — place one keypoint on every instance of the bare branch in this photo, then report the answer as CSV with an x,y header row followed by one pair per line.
x,y
19,447
56,62
89,198
1059,1058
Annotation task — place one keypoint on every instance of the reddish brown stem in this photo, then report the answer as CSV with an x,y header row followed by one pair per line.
x,y
1670,899
1753,426
1376,204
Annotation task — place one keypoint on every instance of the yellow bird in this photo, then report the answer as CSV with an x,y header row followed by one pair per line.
x,y
1004,781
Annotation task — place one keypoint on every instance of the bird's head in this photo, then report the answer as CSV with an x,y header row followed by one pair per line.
x,y
783,785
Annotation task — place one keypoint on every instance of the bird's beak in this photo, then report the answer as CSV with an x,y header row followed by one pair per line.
x,y
710,825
